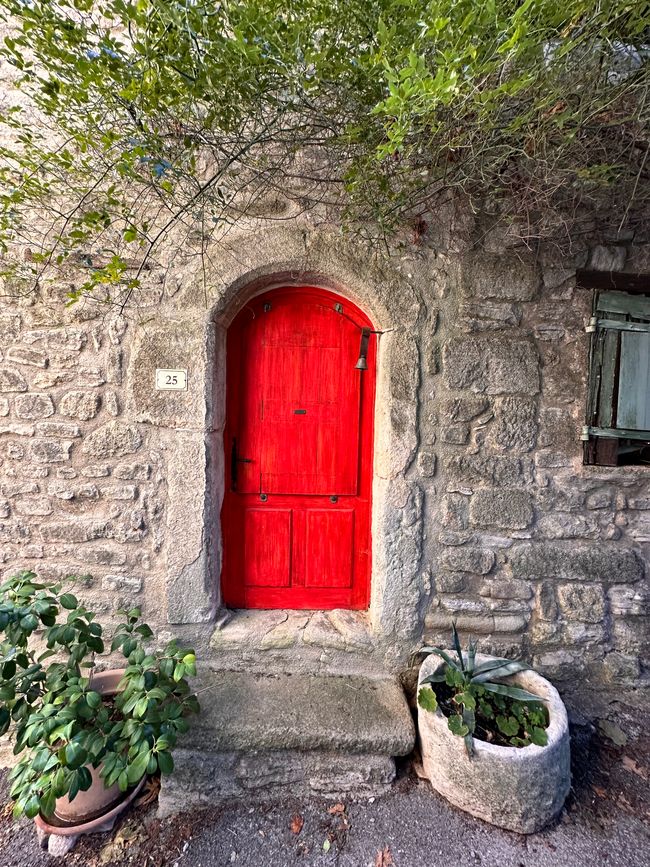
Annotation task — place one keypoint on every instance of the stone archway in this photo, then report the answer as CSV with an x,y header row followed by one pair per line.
x,y
191,423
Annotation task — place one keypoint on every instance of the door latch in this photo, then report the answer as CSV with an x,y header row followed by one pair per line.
x,y
235,460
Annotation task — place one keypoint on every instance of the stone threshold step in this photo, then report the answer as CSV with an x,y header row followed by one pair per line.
x,y
349,713
265,738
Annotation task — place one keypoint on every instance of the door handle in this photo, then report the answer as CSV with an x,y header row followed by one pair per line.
x,y
234,461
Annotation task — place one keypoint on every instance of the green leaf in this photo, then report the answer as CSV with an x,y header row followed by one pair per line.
x,y
466,699
508,725
93,699
75,755
512,692
69,601
539,736
457,726
502,671
427,699
165,763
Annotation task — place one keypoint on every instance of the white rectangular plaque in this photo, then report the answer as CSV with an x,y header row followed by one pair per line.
x,y
171,380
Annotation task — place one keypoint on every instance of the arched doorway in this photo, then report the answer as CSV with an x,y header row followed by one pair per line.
x,y
298,444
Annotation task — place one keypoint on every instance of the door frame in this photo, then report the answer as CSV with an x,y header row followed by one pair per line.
x,y
232,591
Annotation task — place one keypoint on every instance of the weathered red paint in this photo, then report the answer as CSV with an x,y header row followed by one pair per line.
x,y
299,430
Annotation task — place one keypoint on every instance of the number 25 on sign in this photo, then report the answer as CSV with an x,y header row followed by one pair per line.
x,y
171,380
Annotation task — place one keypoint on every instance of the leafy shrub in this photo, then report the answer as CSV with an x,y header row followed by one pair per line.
x,y
477,704
61,725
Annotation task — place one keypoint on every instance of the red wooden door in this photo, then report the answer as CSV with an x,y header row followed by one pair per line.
x,y
298,444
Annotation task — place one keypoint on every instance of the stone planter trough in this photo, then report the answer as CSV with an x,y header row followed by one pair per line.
x,y
518,788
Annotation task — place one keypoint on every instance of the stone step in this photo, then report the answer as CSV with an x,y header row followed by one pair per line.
x,y
289,734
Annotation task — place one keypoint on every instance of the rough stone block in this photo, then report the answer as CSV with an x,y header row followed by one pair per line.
x,y
12,380
584,602
626,601
19,430
33,406
621,668
50,451
31,357
492,366
208,778
174,345
497,470
562,525
488,316
476,560
515,427
33,506
465,409
74,531
602,562
113,440
508,508
83,405
502,278
247,711
454,512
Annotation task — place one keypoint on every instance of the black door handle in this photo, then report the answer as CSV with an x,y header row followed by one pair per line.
x,y
234,460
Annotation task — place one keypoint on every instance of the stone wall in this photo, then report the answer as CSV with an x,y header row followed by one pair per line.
x,y
482,509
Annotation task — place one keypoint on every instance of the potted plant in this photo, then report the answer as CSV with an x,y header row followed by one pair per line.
x,y
86,739
494,737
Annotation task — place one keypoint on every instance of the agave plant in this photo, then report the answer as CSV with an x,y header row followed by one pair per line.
x,y
514,713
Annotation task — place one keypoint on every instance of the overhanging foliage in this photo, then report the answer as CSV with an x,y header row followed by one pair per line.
x,y
159,117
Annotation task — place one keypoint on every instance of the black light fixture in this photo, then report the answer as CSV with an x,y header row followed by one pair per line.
x,y
362,363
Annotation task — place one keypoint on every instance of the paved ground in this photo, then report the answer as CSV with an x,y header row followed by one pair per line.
x,y
606,821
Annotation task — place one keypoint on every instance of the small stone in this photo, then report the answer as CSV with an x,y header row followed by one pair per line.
x,y
5,509
52,378
110,403
125,492
4,406
140,472
83,405
122,583
455,434
31,357
33,406
58,429
427,462
96,471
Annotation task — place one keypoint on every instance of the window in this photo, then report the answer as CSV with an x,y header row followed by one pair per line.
x,y
618,411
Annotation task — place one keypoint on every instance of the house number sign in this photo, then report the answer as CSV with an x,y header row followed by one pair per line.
x,y
171,380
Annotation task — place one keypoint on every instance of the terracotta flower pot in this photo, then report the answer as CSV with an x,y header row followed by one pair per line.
x,y
98,799
518,788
